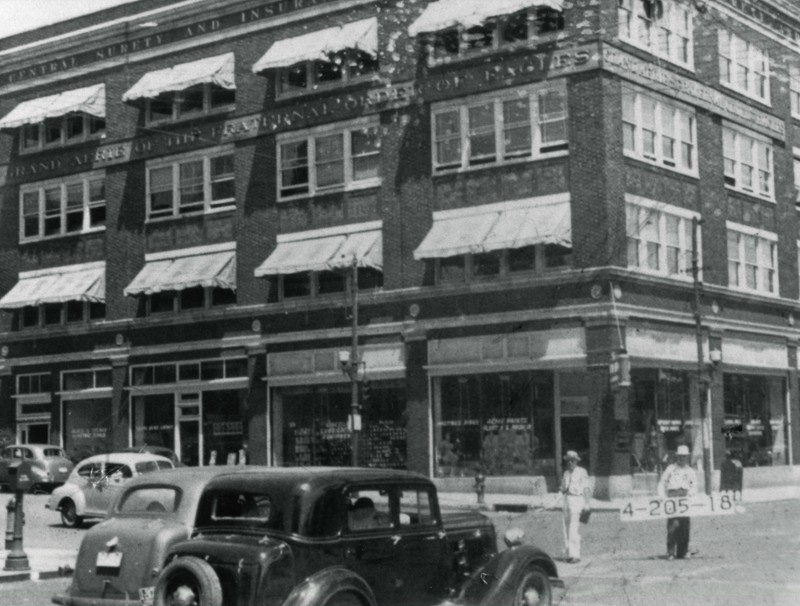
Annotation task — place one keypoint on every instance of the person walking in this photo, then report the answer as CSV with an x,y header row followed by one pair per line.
x,y
678,480
577,498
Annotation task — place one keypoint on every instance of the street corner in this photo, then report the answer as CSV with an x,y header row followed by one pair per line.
x,y
36,564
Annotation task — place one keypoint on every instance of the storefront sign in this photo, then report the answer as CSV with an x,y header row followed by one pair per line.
x,y
681,87
670,425
266,10
753,353
227,428
89,433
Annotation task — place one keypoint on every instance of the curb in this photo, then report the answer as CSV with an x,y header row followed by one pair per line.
x,y
35,575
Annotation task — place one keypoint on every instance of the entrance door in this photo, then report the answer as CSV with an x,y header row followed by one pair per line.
x,y
189,439
34,433
575,436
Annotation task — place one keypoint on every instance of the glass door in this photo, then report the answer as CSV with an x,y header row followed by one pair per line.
x,y
189,438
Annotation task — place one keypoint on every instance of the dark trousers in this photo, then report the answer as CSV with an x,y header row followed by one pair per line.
x,y
678,531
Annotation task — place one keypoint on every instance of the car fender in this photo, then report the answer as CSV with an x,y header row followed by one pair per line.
x,y
496,582
70,491
326,583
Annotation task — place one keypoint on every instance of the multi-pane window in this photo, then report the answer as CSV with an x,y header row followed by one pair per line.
x,y
500,128
79,380
329,160
189,372
662,27
660,238
506,262
345,66
196,297
33,383
193,101
794,90
494,33
319,283
61,130
658,131
747,161
752,259
191,184
68,206
69,312
743,66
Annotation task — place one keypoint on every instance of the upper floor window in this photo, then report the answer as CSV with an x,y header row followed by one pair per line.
x,y
195,183
752,259
66,206
660,238
341,67
61,130
33,383
79,380
662,27
493,33
743,67
329,159
658,131
500,128
747,159
189,372
55,314
193,101
794,91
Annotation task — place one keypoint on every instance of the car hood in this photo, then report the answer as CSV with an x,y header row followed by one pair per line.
x,y
143,543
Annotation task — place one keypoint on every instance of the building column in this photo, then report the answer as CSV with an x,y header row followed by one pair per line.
x,y
255,412
7,403
120,411
418,404
793,420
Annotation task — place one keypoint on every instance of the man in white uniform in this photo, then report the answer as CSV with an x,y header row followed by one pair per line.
x,y
678,480
577,497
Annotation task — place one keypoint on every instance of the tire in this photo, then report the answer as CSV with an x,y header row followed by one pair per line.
x,y
534,589
188,581
69,515
344,599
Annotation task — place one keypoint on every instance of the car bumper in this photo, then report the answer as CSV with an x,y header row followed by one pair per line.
x,y
66,600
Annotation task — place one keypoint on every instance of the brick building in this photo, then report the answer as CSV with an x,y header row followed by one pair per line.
x,y
219,218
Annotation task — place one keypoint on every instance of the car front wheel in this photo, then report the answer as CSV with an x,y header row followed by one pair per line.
x,y
188,581
69,515
534,589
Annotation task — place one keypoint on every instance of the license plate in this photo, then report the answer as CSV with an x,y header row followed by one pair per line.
x,y
109,559
699,505
147,595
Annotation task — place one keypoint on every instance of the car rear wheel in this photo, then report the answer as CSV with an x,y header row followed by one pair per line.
x,y
534,589
188,581
69,515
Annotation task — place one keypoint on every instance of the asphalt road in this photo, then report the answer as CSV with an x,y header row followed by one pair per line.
x,y
748,558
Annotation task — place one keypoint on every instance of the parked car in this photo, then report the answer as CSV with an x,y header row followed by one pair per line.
x,y
340,537
159,450
97,481
47,465
153,512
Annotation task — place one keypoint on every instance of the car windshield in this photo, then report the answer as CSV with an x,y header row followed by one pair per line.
x,y
161,499
53,453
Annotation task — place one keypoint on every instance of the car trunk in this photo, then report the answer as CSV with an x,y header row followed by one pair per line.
x,y
58,468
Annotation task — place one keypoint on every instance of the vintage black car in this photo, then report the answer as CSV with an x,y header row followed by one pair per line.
x,y
344,537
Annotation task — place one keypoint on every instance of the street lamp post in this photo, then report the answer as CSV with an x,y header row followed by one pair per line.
x,y
350,365
705,427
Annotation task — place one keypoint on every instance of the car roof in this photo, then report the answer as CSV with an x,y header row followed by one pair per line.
x,y
124,457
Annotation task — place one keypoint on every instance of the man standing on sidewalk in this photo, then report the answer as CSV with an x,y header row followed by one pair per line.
x,y
678,480
577,497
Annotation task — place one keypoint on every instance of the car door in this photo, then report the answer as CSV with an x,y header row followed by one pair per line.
x,y
90,480
115,475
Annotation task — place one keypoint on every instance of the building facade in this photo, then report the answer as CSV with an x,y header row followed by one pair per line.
x,y
479,234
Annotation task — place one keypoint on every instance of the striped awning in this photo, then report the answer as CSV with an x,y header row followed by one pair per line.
x,y
444,14
90,100
499,226
217,70
359,35
85,282
321,250
181,270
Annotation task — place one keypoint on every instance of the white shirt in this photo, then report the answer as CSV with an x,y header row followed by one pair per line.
x,y
575,482
676,477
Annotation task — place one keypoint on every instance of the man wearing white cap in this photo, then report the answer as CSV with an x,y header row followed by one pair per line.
x,y
678,480
577,498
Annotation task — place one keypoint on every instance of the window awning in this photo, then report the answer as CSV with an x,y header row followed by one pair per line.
x,y
89,100
469,13
496,227
184,269
321,250
217,70
359,35
86,282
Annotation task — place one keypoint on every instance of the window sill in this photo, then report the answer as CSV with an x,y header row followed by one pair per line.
x,y
64,145
56,237
750,194
654,163
501,164
689,66
659,274
360,186
200,213
752,291
766,102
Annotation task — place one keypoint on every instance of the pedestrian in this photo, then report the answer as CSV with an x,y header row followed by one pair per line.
x,y
678,480
577,498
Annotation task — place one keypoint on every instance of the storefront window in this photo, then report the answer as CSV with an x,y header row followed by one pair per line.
x,y
499,423
660,418
222,425
154,420
315,432
87,427
755,423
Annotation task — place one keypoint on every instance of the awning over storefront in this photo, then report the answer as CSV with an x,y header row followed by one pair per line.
x,y
324,249
469,13
85,282
217,70
212,266
89,100
359,35
497,226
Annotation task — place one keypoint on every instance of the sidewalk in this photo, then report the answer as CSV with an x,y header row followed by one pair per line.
x,y
44,564
551,501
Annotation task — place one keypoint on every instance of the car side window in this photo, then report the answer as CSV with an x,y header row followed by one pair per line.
x,y
415,507
90,471
26,453
116,472
368,509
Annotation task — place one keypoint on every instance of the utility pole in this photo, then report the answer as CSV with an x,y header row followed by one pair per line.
x,y
702,388
355,414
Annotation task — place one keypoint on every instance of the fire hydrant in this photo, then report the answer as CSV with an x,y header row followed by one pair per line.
x,y
10,512
480,486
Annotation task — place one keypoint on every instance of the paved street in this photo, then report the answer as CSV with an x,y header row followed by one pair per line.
x,y
750,558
